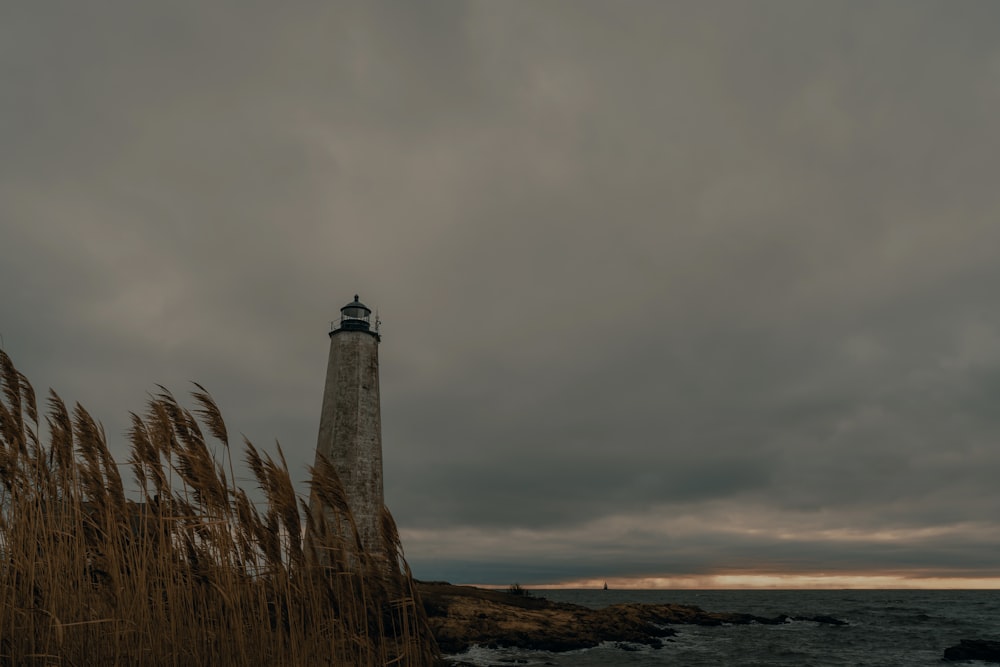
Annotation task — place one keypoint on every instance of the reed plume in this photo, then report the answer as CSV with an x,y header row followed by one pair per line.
x,y
192,571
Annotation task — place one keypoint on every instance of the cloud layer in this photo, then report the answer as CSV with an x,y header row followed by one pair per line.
x,y
666,289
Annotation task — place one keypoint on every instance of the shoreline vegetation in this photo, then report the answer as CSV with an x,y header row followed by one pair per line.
x,y
193,572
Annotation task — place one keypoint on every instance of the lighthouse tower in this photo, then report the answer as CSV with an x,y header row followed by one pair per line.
x,y
350,426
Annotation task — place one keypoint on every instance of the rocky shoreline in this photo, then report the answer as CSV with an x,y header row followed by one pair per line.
x,y
464,616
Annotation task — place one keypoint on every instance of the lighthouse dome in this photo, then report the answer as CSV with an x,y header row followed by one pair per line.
x,y
355,316
356,310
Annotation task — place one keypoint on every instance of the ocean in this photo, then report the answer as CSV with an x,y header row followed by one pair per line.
x,y
885,628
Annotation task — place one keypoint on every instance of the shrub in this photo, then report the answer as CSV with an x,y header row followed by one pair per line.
x,y
517,589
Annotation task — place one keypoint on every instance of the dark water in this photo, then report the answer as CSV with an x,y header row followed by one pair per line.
x,y
886,628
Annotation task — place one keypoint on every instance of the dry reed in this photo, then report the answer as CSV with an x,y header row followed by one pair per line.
x,y
191,572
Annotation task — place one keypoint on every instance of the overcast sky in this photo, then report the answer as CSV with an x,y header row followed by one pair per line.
x,y
670,290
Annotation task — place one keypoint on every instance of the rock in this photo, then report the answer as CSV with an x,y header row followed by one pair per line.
x,y
463,616
987,650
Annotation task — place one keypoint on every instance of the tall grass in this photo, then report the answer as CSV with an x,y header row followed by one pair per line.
x,y
191,571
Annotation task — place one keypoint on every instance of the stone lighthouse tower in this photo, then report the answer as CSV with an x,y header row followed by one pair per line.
x,y
350,426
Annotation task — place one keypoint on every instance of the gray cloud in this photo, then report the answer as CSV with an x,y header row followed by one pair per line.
x,y
636,261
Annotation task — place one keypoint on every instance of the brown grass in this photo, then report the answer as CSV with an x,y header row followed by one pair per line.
x,y
190,572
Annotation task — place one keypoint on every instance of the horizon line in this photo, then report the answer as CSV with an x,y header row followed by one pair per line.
x,y
771,582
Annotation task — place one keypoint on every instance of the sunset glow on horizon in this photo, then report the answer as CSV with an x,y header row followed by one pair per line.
x,y
786,581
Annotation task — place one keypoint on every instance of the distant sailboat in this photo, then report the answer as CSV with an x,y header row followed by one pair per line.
x,y
605,585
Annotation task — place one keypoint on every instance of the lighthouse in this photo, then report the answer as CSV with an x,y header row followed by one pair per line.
x,y
350,426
